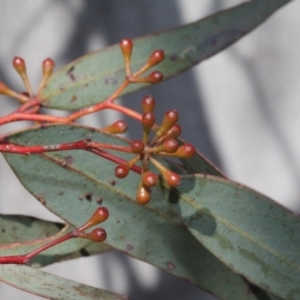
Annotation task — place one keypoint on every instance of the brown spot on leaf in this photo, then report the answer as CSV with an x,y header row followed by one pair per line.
x,y
294,214
41,199
72,76
99,200
88,196
174,57
112,182
170,266
111,81
71,70
129,247
60,193
68,161
73,99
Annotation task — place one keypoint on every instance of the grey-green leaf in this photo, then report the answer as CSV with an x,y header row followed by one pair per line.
x,y
95,76
17,228
50,286
152,233
251,234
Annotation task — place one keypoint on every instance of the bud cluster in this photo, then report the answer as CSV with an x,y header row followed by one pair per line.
x,y
20,66
98,234
164,143
154,59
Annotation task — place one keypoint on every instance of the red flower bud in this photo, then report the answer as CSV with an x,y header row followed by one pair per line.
x,y
149,179
137,147
121,171
148,104
126,46
156,57
170,145
48,66
143,195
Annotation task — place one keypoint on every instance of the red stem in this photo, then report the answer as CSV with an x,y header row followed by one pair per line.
x,y
101,105
29,104
115,159
17,116
87,145
26,150
24,259
126,111
82,144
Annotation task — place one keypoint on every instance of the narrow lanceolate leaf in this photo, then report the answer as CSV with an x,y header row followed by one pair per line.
x,y
17,228
95,76
251,234
50,286
21,235
152,233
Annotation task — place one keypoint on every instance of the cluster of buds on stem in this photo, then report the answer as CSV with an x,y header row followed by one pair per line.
x,y
97,235
163,143
20,66
155,58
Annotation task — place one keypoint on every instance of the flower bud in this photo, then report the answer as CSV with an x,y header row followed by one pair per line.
x,y
148,104
143,195
19,65
98,235
100,215
121,171
149,179
185,151
156,57
5,90
169,120
154,77
170,145
173,133
148,120
137,147
117,127
126,46
173,179
48,66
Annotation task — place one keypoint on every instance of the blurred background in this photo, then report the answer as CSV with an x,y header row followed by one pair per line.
x,y
240,108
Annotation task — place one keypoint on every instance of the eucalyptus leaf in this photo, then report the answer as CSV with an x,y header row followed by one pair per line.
x,y
93,77
17,228
50,286
250,233
151,233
